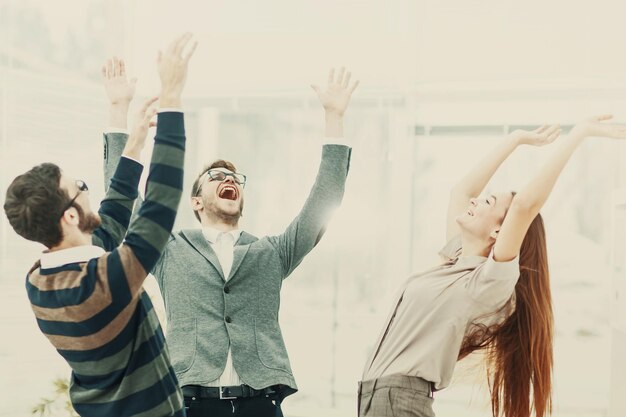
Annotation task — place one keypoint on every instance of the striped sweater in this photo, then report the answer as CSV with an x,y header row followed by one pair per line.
x,y
95,312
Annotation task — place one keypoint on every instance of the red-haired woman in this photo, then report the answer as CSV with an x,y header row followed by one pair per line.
x,y
492,293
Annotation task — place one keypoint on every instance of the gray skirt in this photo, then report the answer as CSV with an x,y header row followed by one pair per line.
x,y
395,396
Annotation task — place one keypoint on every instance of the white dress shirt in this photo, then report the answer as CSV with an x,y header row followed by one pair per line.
x,y
223,244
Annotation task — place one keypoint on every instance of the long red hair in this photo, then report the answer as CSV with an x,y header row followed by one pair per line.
x,y
519,350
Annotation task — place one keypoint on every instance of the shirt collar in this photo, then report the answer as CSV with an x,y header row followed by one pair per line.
x,y
211,234
470,260
69,256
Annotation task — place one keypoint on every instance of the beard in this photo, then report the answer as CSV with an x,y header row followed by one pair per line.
x,y
87,222
213,210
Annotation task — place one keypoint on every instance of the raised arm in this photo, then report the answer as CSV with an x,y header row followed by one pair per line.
x,y
527,203
116,207
150,230
120,92
473,184
307,228
335,100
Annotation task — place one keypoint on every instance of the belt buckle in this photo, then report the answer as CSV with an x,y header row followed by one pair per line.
x,y
222,397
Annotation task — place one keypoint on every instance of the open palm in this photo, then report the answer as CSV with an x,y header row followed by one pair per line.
x,y
336,97
119,89
594,126
544,135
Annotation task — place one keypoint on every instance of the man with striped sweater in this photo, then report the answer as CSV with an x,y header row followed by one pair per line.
x,y
86,291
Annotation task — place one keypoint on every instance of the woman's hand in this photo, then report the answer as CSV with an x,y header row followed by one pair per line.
x,y
594,126
542,136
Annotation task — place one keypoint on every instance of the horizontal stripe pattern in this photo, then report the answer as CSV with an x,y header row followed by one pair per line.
x,y
96,313
116,208
96,302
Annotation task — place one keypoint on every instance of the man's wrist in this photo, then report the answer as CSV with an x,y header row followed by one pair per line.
x,y
132,150
334,125
333,116
122,104
169,100
118,116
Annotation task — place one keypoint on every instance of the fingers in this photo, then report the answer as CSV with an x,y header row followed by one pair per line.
x,y
150,113
316,88
181,43
551,129
346,81
340,76
147,113
555,134
602,118
191,51
178,46
148,103
547,134
114,67
354,86
343,79
172,46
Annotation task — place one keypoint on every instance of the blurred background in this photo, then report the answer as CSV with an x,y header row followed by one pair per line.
x,y
441,83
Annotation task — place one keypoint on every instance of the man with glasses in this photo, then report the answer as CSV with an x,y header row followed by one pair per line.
x,y
221,285
86,289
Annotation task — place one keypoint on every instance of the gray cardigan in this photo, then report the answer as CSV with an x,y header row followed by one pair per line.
x,y
206,314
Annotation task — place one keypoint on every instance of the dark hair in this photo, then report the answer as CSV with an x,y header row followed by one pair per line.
x,y
220,163
34,204
519,351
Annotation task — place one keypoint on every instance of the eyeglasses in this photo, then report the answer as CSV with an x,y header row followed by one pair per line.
x,y
217,175
82,186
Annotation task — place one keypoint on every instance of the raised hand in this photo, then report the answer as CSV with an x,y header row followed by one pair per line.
x,y
143,120
119,89
141,124
544,135
594,126
336,97
172,65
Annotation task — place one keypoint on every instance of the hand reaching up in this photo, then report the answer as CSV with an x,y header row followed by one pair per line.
x,y
139,131
336,97
172,65
594,126
544,135
119,89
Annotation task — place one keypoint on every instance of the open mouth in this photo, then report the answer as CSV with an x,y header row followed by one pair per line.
x,y
228,192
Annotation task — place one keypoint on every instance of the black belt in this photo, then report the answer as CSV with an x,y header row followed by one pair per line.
x,y
228,393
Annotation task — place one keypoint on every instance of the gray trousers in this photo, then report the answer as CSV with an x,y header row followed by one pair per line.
x,y
395,396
